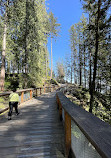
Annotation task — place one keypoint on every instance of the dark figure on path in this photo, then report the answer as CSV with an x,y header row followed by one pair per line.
x,y
13,102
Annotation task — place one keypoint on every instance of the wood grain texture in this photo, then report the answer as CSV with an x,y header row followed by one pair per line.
x,y
22,97
96,131
67,133
36,133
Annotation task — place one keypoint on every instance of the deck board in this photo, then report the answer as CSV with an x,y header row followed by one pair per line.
x,y
36,133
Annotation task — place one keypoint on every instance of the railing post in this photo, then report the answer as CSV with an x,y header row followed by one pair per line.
x,y
60,110
22,97
40,91
30,94
67,133
36,92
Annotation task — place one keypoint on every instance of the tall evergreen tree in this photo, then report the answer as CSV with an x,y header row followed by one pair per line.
x,y
26,40
54,30
98,12
60,72
80,55
73,45
83,22
5,5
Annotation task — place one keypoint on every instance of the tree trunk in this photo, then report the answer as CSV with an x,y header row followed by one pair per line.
x,y
90,70
80,67
84,63
100,85
26,32
109,84
71,68
75,68
51,59
46,61
2,75
95,58
90,57
8,67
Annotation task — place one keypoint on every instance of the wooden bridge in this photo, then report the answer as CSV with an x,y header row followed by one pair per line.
x,y
50,126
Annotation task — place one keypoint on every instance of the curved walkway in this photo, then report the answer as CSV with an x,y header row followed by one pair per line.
x,y
35,133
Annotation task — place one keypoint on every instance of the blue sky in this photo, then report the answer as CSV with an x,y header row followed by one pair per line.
x,y
68,12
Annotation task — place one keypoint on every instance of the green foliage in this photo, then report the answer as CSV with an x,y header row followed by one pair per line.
x,y
2,106
81,97
90,57
4,102
27,82
53,81
7,85
27,33
60,72
1,99
11,83
49,81
1,35
54,27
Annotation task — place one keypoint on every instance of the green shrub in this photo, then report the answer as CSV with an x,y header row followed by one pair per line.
x,y
7,85
53,81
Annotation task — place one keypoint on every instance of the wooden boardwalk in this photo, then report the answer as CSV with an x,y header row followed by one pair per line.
x,y
36,133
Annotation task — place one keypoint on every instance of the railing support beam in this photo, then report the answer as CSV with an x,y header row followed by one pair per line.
x,y
36,92
30,94
44,89
40,91
67,133
60,110
22,97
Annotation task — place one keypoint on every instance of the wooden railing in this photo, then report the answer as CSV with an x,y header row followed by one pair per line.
x,y
40,90
27,94
85,134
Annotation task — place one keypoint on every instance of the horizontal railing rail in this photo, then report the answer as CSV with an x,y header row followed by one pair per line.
x,y
27,94
24,95
85,134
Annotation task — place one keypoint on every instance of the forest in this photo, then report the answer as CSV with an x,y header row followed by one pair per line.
x,y
89,63
26,25
25,28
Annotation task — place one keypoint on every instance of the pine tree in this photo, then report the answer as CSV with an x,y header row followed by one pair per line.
x,y
80,55
73,45
26,40
83,21
60,72
5,5
97,11
54,30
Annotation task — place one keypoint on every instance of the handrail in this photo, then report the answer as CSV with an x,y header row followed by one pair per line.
x,y
21,96
30,90
18,91
97,132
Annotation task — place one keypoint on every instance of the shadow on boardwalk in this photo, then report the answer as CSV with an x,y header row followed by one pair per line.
x,y
36,132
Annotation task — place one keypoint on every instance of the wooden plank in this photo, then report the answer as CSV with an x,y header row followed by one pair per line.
x,y
67,133
96,131
36,132
22,97
36,92
1,111
30,94
40,91
60,109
